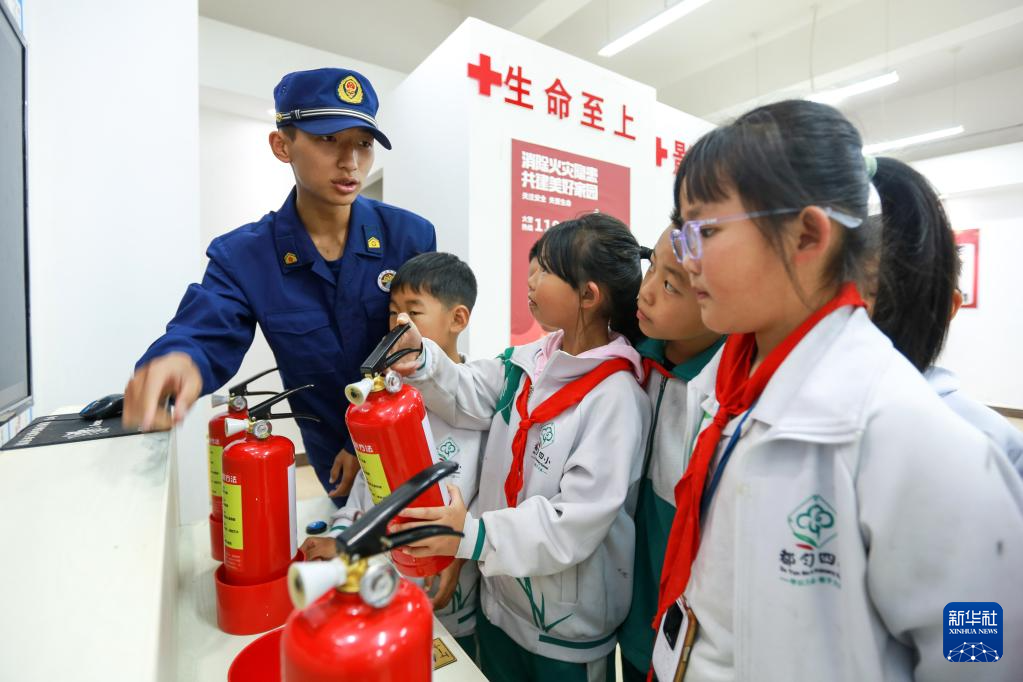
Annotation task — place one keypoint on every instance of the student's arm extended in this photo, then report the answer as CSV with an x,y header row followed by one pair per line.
x,y
544,536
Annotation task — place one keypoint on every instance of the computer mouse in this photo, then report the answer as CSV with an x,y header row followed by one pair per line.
x,y
103,408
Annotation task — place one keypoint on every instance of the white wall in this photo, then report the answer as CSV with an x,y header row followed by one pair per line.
x,y
113,187
983,190
452,162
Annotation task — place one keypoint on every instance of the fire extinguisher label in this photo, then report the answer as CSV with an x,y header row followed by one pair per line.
x,y
216,462
232,493
373,470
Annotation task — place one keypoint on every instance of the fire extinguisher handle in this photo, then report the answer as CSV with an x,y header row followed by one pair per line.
x,y
262,410
407,537
292,415
379,360
365,537
242,387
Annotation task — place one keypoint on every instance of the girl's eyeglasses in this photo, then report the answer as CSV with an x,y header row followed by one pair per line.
x,y
687,241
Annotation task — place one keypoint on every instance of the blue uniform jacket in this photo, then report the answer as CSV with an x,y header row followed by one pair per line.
x,y
320,329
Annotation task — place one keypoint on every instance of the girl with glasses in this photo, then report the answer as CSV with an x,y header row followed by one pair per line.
x,y
832,505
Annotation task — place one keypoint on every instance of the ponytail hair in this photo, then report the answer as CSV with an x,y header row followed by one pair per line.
x,y
598,248
918,264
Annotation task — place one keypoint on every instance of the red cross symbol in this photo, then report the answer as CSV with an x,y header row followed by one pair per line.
x,y
662,152
484,75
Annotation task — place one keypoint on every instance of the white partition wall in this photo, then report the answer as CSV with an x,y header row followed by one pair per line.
x,y
452,124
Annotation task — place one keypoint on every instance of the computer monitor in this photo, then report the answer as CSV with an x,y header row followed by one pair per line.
x,y
15,370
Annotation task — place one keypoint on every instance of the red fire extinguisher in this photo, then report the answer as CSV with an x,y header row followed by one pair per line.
x,y
391,433
356,619
217,440
260,530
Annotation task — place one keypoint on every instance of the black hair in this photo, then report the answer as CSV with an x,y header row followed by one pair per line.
x,y
918,264
441,275
289,131
789,154
533,250
597,248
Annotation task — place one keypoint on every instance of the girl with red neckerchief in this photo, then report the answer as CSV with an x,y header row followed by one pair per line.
x,y
832,506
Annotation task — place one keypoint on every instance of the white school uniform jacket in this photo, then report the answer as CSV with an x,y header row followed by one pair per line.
x,y
862,506
995,426
557,569
464,446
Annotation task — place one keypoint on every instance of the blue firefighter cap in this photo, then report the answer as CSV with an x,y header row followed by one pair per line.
x,y
327,101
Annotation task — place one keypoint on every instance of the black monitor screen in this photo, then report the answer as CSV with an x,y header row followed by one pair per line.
x,y
15,388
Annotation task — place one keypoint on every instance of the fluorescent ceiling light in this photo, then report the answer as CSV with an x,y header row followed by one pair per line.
x,y
836,95
913,140
651,26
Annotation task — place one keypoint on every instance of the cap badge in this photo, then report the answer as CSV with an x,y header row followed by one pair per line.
x,y
350,90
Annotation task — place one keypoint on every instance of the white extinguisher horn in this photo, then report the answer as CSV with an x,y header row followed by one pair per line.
x,y
235,426
219,400
357,392
310,580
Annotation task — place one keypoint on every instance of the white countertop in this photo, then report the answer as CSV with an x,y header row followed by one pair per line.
x,y
98,580
87,536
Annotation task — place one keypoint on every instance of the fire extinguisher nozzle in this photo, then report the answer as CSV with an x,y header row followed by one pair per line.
x,y
309,580
357,392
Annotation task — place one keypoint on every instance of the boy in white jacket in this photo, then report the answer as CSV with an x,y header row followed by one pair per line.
x,y
438,291
552,528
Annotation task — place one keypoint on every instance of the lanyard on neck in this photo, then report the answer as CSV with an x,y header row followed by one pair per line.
x,y
708,495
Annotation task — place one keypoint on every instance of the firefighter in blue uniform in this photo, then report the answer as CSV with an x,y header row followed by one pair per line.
x,y
314,275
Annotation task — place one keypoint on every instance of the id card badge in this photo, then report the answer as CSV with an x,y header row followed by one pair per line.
x,y
674,642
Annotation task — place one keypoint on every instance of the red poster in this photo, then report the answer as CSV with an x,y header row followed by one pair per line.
x,y
968,242
547,187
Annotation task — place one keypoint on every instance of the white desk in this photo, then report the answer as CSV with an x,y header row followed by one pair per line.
x,y
87,582
98,582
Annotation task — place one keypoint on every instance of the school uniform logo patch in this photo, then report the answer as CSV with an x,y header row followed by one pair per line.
x,y
290,258
384,280
448,448
805,561
350,90
972,632
547,435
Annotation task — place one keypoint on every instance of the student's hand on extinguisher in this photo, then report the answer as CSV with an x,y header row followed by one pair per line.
x,y
448,581
319,549
410,339
452,516
345,467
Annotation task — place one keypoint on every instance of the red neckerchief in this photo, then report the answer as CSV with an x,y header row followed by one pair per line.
x,y
566,397
735,391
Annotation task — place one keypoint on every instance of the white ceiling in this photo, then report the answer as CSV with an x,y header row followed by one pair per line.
x,y
960,62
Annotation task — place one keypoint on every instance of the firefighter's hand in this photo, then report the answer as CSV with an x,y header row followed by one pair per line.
x,y
410,339
447,582
148,390
346,466
452,516
319,549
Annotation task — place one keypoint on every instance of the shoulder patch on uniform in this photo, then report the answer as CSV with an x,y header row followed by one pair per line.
x,y
350,90
290,258
384,280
